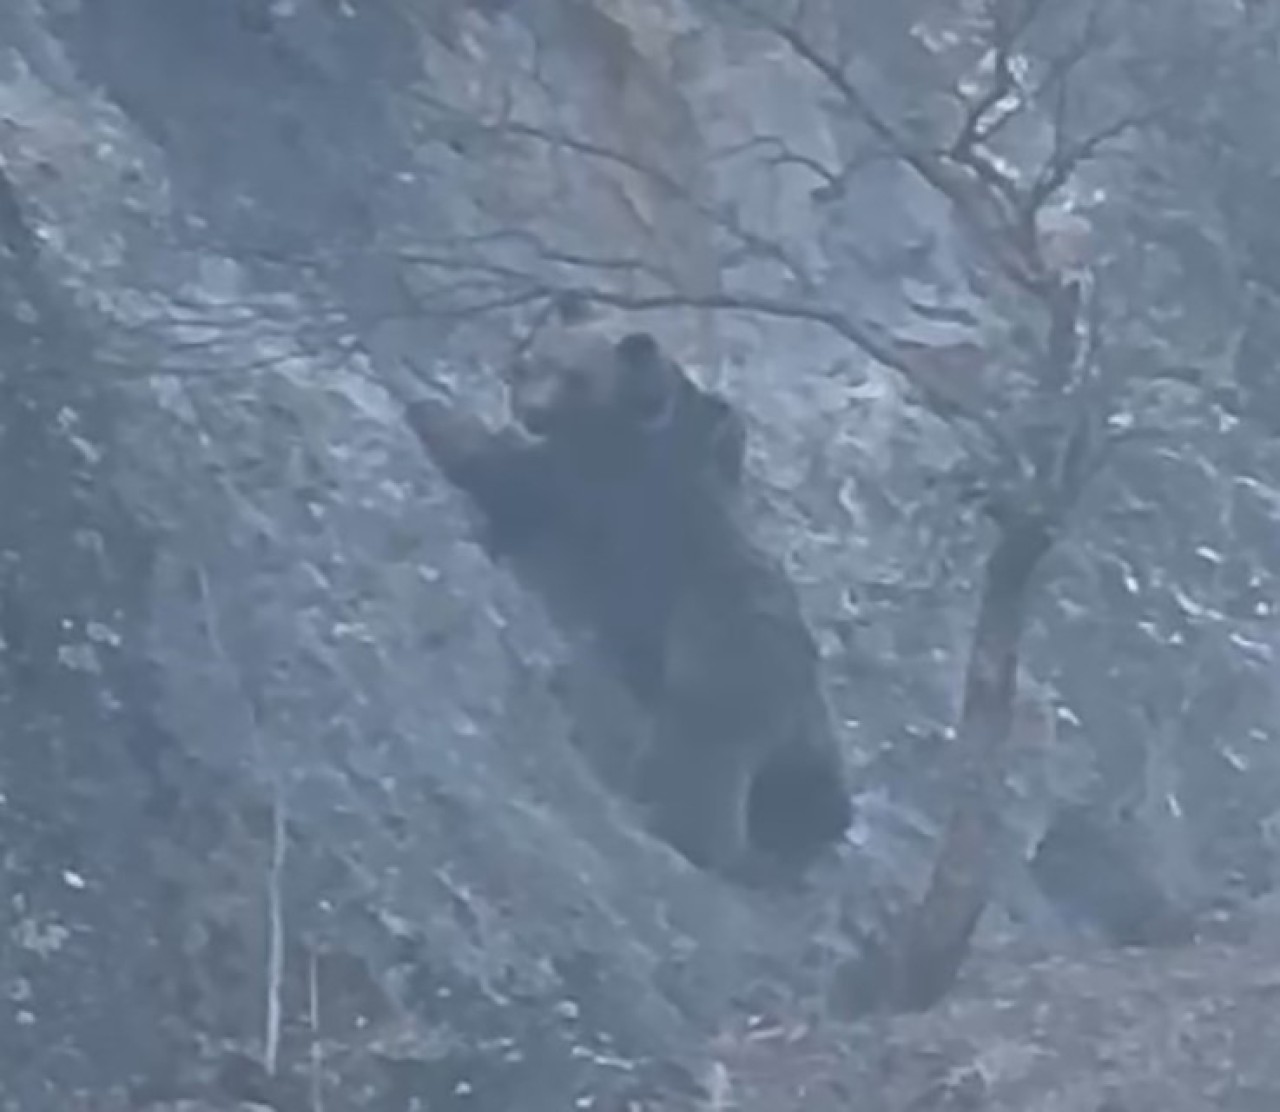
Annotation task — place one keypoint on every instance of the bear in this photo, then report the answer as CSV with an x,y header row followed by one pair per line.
x,y
578,389
612,493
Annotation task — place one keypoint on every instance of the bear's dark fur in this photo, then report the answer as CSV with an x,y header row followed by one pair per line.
x,y
612,494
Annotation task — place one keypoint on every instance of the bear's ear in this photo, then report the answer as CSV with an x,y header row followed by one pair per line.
x,y
646,387
638,351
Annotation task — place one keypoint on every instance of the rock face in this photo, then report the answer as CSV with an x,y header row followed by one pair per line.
x,y
289,805
347,915
301,797
1099,881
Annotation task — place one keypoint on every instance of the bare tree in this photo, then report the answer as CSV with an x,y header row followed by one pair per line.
x,y
1039,413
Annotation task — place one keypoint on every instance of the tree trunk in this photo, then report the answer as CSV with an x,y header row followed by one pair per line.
x,y
939,931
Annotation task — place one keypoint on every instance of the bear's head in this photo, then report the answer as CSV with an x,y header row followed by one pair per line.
x,y
577,380
588,383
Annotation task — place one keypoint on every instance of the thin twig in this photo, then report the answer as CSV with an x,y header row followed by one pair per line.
x,y
275,935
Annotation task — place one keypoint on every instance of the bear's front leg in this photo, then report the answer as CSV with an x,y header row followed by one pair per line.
x,y
507,477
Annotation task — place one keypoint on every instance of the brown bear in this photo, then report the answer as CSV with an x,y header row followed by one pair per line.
x,y
612,494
